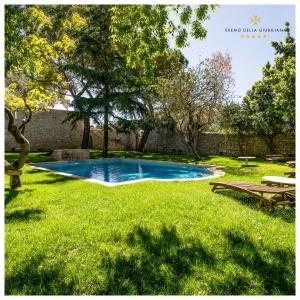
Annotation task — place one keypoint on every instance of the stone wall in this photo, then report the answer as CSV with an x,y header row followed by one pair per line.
x,y
168,141
218,144
46,132
212,143
117,141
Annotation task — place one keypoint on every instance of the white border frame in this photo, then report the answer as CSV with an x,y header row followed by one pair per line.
x,y
222,2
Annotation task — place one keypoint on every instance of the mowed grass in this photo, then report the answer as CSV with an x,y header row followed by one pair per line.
x,y
67,236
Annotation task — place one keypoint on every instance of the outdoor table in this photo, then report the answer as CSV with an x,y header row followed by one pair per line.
x,y
278,180
292,164
246,158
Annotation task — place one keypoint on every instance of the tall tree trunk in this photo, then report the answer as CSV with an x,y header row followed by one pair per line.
x,y
195,141
271,147
136,141
191,143
269,140
241,144
105,133
194,151
192,133
86,133
144,139
13,169
150,119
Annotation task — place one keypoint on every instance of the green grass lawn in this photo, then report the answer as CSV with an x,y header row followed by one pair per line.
x,y
69,236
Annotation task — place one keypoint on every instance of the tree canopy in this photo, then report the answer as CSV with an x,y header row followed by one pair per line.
x,y
271,101
102,56
193,98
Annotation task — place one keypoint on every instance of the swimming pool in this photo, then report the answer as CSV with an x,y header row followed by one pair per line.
x,y
119,171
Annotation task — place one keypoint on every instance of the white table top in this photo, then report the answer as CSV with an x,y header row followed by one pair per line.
x,y
280,180
246,157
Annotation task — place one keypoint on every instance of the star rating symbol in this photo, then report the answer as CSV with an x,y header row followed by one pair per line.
x,y
248,36
255,20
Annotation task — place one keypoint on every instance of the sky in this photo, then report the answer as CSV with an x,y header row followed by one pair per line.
x,y
248,55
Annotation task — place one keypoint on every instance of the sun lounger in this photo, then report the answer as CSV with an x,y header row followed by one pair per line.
x,y
275,157
292,164
290,199
279,157
255,190
291,173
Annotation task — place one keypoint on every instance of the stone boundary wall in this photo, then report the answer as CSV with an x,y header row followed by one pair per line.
x,y
218,144
46,132
221,144
168,141
117,141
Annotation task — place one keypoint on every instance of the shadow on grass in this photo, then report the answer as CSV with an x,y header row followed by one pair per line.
x,y
52,178
162,263
158,264
275,271
34,171
23,215
11,194
249,166
36,276
34,157
286,214
239,171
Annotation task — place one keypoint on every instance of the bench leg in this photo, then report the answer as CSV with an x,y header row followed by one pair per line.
x,y
216,187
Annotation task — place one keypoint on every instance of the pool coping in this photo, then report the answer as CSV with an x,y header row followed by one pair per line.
x,y
215,169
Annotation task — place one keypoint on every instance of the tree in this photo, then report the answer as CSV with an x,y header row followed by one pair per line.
x,y
103,53
266,117
146,30
15,22
83,109
14,16
284,78
28,78
62,33
114,86
123,43
167,65
194,97
93,68
271,101
234,119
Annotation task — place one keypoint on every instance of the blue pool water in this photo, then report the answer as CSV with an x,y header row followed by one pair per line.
x,y
122,170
